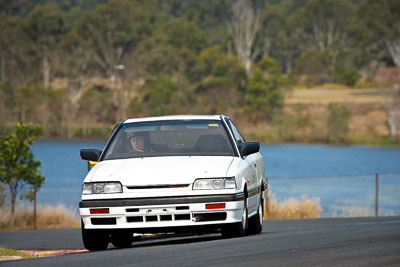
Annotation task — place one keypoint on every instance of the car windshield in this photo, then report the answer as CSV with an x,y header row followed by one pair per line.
x,y
170,138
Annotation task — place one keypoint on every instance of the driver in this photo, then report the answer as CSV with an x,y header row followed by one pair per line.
x,y
140,141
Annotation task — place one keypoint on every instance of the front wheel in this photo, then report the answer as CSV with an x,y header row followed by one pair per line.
x,y
122,239
237,229
256,222
94,239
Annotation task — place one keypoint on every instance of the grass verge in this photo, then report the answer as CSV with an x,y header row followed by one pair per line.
x,y
48,217
292,208
9,254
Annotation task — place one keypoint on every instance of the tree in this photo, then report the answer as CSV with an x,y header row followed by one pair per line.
x,y
6,103
32,103
17,164
159,94
279,31
222,75
73,44
378,31
337,123
15,53
393,111
113,30
2,196
16,7
324,32
393,47
175,48
4,45
63,112
244,28
392,39
325,23
209,15
95,106
173,51
45,26
263,96
313,68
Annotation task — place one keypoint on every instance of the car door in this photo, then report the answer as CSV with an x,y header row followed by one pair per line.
x,y
251,161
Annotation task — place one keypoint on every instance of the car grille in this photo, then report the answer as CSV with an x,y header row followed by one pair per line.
x,y
178,213
158,218
169,214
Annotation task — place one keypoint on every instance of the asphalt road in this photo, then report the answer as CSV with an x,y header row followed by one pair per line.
x,y
312,242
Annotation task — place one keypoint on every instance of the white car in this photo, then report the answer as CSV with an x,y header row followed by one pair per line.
x,y
189,173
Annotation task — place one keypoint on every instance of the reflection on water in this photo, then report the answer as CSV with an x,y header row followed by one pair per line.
x,y
342,177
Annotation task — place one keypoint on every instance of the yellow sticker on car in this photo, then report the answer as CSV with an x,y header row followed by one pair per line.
x,y
213,125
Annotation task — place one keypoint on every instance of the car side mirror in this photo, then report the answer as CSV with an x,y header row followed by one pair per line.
x,y
92,154
249,147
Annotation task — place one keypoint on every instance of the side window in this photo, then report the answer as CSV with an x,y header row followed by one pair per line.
x,y
238,137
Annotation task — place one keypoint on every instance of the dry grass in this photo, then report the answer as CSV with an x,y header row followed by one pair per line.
x,y
292,208
48,217
326,96
367,125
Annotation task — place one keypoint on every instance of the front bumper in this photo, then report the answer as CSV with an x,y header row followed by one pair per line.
x,y
161,212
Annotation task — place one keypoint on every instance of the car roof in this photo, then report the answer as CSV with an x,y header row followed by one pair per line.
x,y
175,117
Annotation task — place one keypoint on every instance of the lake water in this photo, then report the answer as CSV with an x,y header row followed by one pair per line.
x,y
342,177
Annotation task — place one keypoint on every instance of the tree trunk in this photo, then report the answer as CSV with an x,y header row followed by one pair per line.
x,y
289,60
2,68
34,206
394,50
393,128
46,72
244,27
393,112
13,197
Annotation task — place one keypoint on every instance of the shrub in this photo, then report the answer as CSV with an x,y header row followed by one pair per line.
x,y
292,208
337,123
348,76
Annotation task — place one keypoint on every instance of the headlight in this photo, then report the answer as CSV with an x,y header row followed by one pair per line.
x,y
101,188
214,184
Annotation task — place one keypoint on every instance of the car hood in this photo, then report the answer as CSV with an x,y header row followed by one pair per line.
x,y
159,170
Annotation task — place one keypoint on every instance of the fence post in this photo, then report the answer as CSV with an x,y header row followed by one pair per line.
x,y
376,194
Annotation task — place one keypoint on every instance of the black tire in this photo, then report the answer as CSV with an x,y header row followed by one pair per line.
x,y
237,229
256,222
94,240
122,239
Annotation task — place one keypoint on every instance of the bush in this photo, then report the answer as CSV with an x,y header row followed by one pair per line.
x,y
159,95
348,76
263,95
292,208
312,68
337,123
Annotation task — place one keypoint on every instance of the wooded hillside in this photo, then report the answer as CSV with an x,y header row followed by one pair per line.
x,y
79,66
